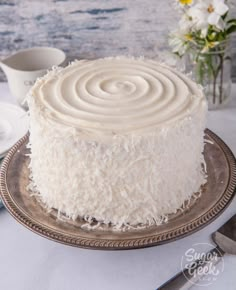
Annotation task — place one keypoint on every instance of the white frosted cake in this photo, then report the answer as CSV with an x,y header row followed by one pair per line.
x,y
116,140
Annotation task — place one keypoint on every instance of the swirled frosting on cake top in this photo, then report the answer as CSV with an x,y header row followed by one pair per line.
x,y
117,95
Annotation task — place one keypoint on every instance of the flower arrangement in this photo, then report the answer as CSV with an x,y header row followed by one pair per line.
x,y
203,32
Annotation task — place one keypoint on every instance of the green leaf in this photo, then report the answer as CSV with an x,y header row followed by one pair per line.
x,y
224,16
231,21
231,29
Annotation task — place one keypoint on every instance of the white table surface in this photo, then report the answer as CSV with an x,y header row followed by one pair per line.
x,y
31,262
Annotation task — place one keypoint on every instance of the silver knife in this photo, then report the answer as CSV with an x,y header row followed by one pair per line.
x,y
225,240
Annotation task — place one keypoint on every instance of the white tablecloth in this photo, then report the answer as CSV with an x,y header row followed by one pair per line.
x,y
30,262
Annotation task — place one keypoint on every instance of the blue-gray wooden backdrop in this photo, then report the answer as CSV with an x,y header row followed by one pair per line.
x,y
88,28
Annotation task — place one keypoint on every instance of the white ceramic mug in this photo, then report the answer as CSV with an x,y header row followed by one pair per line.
x,y
24,67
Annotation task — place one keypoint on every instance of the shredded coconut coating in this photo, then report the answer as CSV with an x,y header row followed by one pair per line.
x,y
132,179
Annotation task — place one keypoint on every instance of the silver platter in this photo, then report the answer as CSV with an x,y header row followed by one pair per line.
x,y
216,195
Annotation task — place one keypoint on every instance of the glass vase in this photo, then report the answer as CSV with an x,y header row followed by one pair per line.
x,y
212,69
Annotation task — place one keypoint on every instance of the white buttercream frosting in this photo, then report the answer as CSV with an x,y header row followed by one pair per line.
x,y
116,139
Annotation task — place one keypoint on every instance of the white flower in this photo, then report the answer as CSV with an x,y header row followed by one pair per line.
x,y
216,10
208,12
185,24
178,43
199,17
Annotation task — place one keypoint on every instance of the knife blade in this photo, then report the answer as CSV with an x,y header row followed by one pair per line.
x,y
225,236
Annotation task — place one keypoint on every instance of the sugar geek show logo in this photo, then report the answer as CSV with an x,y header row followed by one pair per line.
x,y
207,271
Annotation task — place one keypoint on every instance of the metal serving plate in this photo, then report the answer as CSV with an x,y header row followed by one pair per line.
x,y
216,195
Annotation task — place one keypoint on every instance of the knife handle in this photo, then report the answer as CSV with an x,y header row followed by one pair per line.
x,y
185,279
